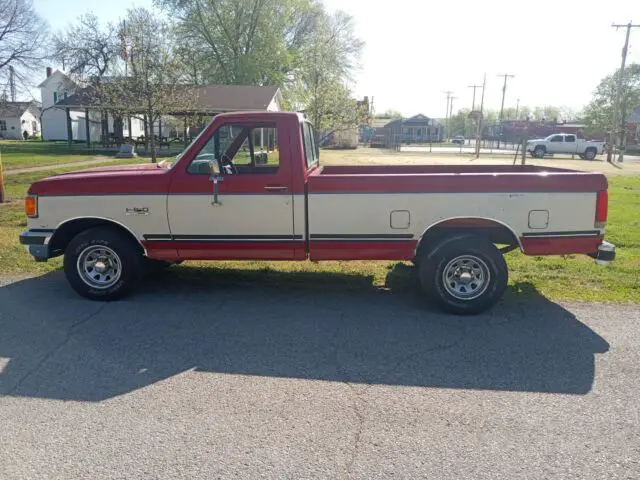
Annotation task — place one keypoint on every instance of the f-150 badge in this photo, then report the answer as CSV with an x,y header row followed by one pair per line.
x,y
137,211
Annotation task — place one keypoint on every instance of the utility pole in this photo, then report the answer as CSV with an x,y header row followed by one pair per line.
x,y
517,108
446,116
479,132
473,102
616,102
12,83
504,91
451,99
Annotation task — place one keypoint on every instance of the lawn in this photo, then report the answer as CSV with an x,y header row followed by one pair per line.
x,y
558,278
34,153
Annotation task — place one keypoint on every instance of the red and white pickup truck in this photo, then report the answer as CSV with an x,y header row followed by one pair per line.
x,y
251,186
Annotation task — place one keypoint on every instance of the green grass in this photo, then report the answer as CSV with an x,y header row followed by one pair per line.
x,y
574,277
33,153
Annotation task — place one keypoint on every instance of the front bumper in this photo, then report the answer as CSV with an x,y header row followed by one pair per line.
x,y
605,254
37,243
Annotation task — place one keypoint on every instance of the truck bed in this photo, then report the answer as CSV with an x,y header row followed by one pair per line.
x,y
452,178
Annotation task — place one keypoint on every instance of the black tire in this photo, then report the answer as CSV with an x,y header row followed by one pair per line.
x,y
449,256
590,154
581,155
122,256
539,151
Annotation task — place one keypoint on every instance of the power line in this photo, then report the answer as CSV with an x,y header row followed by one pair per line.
x,y
504,91
616,102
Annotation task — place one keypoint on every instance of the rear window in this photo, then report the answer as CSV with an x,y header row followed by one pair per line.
x,y
310,150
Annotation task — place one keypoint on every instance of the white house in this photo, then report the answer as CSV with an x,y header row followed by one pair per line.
x,y
17,118
62,95
56,88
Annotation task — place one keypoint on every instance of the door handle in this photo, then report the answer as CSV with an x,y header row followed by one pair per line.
x,y
275,188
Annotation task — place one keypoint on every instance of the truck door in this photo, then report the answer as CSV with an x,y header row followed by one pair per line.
x,y
570,144
556,144
233,199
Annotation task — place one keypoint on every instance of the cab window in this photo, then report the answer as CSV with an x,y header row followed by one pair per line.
x,y
238,149
310,149
556,138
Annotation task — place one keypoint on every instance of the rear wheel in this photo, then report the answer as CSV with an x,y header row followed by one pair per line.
x,y
464,275
102,264
590,153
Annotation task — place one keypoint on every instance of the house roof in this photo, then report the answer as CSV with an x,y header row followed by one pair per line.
x,y
16,109
635,115
415,120
210,98
57,73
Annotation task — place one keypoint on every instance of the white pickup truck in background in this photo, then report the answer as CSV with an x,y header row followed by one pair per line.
x,y
564,143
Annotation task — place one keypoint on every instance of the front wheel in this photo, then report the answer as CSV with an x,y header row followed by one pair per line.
x,y
102,264
539,151
464,275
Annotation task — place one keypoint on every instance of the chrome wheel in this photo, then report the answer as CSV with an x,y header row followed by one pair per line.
x,y
466,277
99,267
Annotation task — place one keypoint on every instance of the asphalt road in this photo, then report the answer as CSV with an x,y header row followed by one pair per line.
x,y
195,380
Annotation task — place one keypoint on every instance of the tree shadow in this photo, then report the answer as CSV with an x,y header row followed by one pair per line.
x,y
59,346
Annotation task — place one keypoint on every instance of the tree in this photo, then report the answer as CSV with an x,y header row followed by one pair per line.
x,y
390,113
330,58
87,49
598,114
253,42
155,81
23,39
548,113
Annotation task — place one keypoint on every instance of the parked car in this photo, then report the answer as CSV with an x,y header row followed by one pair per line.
x,y
458,139
217,202
565,143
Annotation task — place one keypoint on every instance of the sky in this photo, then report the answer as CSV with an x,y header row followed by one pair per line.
x,y
415,50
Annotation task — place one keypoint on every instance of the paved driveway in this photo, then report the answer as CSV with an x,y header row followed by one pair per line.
x,y
193,380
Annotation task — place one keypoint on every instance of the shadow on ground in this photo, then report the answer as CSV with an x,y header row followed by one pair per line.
x,y
59,346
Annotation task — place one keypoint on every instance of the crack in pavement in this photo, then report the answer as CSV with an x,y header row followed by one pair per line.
x,y
360,402
55,349
357,396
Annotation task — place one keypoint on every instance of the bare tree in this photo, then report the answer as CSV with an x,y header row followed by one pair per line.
x,y
85,48
23,38
155,81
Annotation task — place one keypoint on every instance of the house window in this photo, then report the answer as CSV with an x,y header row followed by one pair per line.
x,y
55,97
3,125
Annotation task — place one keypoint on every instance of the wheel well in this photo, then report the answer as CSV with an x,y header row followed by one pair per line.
x,y
68,230
495,232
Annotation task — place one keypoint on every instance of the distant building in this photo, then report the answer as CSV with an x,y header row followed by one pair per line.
x,y
16,118
416,129
633,126
513,131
